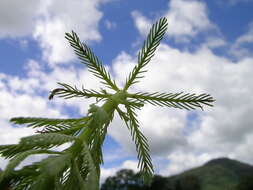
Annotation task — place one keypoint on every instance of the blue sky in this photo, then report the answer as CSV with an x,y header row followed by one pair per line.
x,y
207,48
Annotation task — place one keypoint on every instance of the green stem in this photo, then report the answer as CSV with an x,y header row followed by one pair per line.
x,y
109,107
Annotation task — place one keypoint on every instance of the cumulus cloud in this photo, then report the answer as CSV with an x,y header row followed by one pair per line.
x,y
141,23
229,123
180,161
110,25
247,37
47,21
215,42
186,19
234,2
16,21
80,16
238,49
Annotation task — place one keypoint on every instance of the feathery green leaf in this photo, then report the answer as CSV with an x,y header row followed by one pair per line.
x,y
91,60
93,177
80,184
147,52
70,92
14,162
50,169
62,126
145,163
23,178
35,122
177,100
40,141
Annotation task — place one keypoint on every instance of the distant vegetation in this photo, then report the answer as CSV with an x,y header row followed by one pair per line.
x,y
217,174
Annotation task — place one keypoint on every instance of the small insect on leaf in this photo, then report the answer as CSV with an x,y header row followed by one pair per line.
x,y
52,94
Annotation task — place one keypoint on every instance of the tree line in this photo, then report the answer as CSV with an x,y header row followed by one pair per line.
x,y
127,179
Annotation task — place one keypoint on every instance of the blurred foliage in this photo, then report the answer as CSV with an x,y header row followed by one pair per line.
x,y
189,182
5,185
123,180
128,180
246,183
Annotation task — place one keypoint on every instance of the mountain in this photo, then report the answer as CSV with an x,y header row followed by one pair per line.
x,y
217,174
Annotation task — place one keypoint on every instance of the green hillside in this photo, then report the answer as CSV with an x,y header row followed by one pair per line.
x,y
217,174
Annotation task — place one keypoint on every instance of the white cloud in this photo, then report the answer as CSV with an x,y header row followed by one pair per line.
x,y
107,172
164,135
244,150
181,161
228,124
170,122
234,2
12,135
20,99
110,25
125,63
141,23
18,18
80,16
47,21
247,37
214,42
238,49
187,18
50,34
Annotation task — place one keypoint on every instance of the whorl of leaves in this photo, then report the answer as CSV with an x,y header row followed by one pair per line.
x,y
78,165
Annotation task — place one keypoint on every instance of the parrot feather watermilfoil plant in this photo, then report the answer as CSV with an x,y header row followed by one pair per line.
x,y
78,166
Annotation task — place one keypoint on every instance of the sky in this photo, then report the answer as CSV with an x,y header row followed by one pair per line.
x,y
206,49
